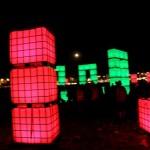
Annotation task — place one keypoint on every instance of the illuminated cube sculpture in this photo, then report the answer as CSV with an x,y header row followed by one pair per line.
x,y
33,84
61,71
144,114
118,67
33,45
92,68
61,74
35,124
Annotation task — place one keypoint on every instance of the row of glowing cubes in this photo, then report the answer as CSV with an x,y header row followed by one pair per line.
x,y
87,67
117,72
116,53
34,45
133,77
116,62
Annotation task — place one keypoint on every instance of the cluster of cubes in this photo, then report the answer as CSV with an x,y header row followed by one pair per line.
x,y
119,67
92,68
34,93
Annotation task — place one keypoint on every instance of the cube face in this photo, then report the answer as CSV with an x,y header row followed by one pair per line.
x,y
148,77
60,68
34,45
62,80
133,78
81,67
144,114
35,125
82,72
113,62
114,72
92,66
33,85
124,64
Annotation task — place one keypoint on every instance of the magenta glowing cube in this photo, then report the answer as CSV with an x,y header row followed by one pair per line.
x,y
35,125
148,77
133,78
33,85
34,45
144,114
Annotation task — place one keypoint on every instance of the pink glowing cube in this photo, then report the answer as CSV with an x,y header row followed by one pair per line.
x,y
144,114
148,77
133,78
35,124
33,85
34,45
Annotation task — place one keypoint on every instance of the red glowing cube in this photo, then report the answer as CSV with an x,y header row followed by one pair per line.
x,y
33,85
133,78
34,45
35,125
148,77
144,114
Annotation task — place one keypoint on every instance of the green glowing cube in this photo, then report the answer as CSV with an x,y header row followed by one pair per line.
x,y
82,73
93,72
60,68
61,80
114,72
63,95
92,66
114,62
82,78
81,67
61,73
124,64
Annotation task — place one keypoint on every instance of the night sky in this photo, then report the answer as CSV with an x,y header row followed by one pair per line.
x,y
89,30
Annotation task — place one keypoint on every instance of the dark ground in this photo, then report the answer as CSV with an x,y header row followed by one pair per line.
x,y
94,130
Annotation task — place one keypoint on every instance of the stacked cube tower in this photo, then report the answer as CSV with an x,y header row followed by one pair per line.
x,y
33,84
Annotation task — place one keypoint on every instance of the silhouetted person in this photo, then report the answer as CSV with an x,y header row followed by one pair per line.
x,y
121,98
133,102
88,97
88,91
72,98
